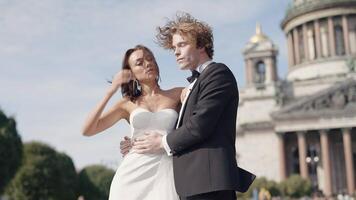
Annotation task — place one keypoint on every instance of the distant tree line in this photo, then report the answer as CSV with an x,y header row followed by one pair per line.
x,y
36,171
293,187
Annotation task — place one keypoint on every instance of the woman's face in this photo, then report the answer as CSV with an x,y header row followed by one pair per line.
x,y
143,66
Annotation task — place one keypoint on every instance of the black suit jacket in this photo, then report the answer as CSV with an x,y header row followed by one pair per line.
x,y
204,144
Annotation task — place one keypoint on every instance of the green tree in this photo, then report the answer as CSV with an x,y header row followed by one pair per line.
x,y
44,175
94,182
259,183
10,150
351,64
295,186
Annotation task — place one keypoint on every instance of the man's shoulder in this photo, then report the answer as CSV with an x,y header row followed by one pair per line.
x,y
218,68
217,64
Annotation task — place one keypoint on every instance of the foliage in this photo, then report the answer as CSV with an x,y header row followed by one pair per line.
x,y
260,183
94,182
351,64
45,174
10,150
295,186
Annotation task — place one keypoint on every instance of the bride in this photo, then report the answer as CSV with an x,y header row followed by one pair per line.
x,y
146,107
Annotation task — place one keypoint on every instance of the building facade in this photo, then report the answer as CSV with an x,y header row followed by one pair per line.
x,y
304,123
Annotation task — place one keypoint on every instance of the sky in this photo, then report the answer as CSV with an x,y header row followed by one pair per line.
x,y
56,56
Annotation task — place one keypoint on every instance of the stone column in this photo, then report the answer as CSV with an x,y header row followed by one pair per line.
x,y
324,140
291,54
317,38
311,44
248,73
274,74
345,29
282,156
346,136
302,149
325,46
270,70
296,46
331,37
305,41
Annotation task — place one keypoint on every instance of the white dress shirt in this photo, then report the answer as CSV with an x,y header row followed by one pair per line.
x,y
199,69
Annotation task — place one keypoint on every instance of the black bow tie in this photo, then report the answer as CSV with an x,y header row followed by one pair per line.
x,y
195,74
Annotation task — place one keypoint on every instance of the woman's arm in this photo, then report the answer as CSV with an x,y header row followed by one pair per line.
x,y
178,94
96,121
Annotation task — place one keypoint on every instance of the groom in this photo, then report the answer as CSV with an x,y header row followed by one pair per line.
x,y
203,143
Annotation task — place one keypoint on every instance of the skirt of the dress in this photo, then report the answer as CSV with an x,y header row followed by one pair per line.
x,y
144,177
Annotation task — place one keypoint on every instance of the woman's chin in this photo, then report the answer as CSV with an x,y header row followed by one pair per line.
x,y
150,78
151,75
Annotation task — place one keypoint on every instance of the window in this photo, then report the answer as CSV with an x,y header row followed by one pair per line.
x,y
260,72
339,37
339,41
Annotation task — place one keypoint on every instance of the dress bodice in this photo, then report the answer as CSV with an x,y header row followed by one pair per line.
x,y
146,176
143,120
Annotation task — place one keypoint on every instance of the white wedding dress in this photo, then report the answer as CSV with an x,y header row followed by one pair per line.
x,y
146,176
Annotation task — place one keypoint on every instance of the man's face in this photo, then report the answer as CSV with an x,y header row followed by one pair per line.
x,y
187,55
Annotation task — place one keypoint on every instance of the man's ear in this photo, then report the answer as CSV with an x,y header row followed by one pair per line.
x,y
201,49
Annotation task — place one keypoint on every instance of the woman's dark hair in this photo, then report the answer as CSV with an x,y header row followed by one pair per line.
x,y
132,89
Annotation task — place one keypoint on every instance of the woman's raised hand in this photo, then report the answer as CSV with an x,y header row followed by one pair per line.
x,y
122,77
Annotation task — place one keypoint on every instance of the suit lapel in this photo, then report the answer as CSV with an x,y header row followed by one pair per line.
x,y
182,109
184,104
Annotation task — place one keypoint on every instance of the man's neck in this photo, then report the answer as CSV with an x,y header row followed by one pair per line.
x,y
202,61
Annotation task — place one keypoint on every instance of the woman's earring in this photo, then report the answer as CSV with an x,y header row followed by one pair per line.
x,y
136,88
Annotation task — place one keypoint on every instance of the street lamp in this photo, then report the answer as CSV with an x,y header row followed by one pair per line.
x,y
312,161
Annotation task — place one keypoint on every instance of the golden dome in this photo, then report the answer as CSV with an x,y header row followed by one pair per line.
x,y
259,36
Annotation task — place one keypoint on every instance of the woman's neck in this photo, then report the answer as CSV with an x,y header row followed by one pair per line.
x,y
150,89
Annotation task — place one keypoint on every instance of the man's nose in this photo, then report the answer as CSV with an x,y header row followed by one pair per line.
x,y
176,52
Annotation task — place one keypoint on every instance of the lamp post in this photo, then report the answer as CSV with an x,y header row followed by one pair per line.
x,y
312,161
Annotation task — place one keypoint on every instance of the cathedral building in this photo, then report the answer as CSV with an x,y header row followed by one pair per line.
x,y
304,123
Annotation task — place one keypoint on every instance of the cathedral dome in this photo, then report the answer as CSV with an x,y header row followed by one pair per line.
x,y
321,38
302,7
259,36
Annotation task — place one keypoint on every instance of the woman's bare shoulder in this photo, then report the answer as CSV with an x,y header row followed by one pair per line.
x,y
174,93
175,90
